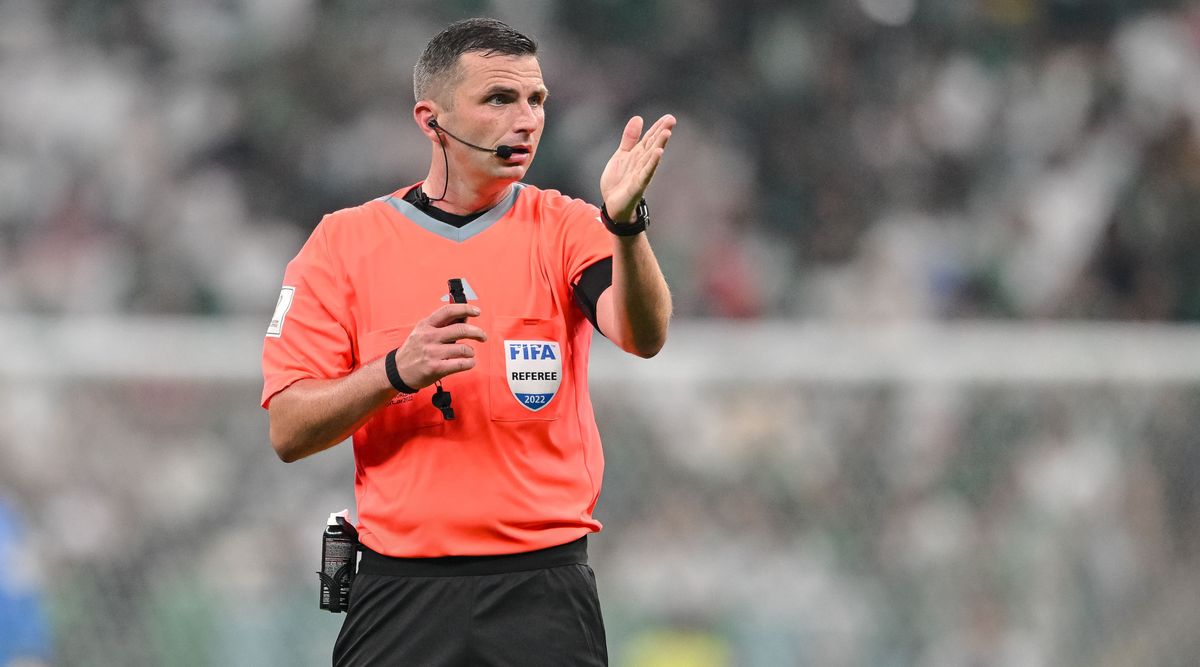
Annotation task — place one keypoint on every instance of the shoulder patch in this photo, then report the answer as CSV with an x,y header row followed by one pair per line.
x,y
275,328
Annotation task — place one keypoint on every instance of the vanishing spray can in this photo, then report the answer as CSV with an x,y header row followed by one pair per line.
x,y
339,560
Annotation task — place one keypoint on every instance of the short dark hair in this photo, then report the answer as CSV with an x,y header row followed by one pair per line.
x,y
439,61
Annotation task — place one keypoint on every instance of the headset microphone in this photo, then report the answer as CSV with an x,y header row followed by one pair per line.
x,y
502,151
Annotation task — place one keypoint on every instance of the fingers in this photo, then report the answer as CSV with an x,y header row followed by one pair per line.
x,y
667,122
450,313
436,353
458,331
642,167
654,136
648,151
647,166
452,366
656,139
443,360
446,325
664,131
659,132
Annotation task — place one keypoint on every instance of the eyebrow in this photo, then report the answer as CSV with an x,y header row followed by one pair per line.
x,y
509,90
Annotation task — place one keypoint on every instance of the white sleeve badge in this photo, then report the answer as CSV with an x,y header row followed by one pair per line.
x,y
275,328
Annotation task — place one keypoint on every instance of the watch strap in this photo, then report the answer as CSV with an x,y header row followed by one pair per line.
x,y
640,223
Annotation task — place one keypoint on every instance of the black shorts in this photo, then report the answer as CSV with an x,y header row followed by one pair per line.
x,y
527,610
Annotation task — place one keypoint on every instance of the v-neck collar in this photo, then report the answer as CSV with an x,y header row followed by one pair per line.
x,y
448,231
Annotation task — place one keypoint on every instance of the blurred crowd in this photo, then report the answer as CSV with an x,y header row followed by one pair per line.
x,y
866,159
783,523
919,524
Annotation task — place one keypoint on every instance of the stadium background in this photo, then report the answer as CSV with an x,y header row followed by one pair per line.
x,y
930,399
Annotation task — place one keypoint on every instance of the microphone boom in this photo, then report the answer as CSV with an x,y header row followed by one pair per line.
x,y
502,151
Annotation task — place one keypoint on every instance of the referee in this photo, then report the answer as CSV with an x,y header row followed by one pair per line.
x,y
446,326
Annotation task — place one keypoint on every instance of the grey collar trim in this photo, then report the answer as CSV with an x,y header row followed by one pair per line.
x,y
456,234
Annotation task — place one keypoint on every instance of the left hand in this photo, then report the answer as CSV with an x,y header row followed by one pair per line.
x,y
630,169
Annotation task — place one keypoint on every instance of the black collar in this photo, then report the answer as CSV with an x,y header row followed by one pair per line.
x,y
418,198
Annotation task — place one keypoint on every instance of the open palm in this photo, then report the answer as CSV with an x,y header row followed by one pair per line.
x,y
630,169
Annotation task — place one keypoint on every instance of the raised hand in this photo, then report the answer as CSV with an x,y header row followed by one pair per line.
x,y
630,169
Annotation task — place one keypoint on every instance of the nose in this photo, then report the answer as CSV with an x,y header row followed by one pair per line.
x,y
528,118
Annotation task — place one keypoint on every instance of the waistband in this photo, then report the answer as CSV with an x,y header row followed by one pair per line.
x,y
571,553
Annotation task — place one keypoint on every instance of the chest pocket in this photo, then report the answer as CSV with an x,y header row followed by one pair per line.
x,y
407,411
526,376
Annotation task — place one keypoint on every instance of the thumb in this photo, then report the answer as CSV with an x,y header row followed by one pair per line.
x,y
633,131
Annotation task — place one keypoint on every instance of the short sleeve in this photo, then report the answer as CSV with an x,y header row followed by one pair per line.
x,y
309,335
585,240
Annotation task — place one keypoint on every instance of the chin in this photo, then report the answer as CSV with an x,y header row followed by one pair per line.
x,y
512,173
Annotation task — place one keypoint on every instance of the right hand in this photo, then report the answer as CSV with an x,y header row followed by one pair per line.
x,y
432,350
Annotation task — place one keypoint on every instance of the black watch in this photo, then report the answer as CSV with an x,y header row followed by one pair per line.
x,y
640,222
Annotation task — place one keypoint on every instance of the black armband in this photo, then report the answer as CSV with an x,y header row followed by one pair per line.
x,y
596,278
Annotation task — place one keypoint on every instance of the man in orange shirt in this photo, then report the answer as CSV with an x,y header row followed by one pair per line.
x,y
478,463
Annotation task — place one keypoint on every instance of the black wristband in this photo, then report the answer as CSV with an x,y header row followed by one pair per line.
x,y
641,221
393,375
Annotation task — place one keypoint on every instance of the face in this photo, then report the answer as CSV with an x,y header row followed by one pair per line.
x,y
497,100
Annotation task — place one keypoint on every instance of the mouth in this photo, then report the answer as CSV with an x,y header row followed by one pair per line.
x,y
520,153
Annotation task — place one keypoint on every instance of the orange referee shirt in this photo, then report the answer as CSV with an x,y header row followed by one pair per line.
x,y
521,465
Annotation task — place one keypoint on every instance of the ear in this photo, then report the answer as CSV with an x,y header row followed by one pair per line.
x,y
423,112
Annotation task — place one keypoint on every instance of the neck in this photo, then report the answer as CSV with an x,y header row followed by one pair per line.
x,y
464,200
468,191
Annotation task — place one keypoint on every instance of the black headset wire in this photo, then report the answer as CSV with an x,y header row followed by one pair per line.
x,y
445,184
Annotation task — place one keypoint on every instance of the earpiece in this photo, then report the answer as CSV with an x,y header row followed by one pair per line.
x,y
432,122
